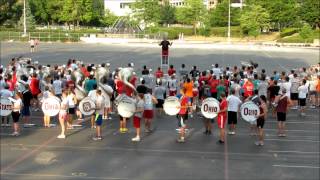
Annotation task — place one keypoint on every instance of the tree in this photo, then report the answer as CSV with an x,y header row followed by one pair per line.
x,y
11,11
54,9
193,13
30,22
254,19
146,11
309,12
219,15
39,10
108,19
306,32
283,12
71,12
167,14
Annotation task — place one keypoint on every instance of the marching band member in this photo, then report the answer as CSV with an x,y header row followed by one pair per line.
x,y
63,116
222,117
99,113
185,103
16,111
138,115
149,100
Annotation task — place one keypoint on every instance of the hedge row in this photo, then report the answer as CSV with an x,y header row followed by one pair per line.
x,y
288,32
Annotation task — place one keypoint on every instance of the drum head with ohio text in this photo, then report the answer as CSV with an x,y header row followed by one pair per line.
x,y
51,106
210,108
5,107
249,111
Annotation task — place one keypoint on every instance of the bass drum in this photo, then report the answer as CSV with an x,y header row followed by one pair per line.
x,y
210,108
249,111
87,106
51,106
171,105
126,106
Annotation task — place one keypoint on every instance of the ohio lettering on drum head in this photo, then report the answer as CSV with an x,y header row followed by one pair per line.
x,y
5,107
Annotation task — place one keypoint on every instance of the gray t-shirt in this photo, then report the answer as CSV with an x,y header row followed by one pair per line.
x,y
295,83
263,88
159,92
139,105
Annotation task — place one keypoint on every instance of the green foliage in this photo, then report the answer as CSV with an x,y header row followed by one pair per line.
x,y
254,20
288,32
309,12
306,32
147,11
219,15
10,12
193,12
39,10
167,14
223,31
173,32
108,19
30,22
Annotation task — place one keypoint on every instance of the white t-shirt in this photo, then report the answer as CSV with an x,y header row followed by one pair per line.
x,y
172,84
217,72
303,91
233,103
93,95
313,85
17,104
287,87
148,105
100,103
57,87
71,103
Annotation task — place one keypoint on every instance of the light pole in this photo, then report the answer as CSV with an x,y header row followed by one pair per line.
x,y
229,22
24,19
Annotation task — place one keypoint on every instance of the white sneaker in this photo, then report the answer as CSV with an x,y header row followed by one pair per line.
x,y
136,139
15,134
230,132
61,136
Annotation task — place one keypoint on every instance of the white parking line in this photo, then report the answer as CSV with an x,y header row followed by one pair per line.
x,y
289,166
61,176
297,152
294,130
293,140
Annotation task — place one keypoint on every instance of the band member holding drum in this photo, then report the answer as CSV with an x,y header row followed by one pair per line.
x,y
63,116
72,101
138,115
233,108
16,111
92,94
46,94
222,117
99,113
185,103
261,119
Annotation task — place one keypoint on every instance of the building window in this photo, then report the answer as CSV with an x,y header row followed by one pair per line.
x,y
124,5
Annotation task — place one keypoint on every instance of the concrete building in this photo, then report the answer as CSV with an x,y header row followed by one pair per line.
x,y
122,7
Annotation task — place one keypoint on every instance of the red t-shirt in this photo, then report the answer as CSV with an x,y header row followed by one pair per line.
x,y
248,88
202,78
34,86
71,85
129,90
85,71
184,100
214,83
159,74
223,105
119,86
171,71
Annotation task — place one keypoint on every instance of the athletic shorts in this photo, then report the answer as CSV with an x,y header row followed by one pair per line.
x,y
25,111
214,95
232,117
172,93
136,122
222,121
63,115
182,119
15,116
98,119
160,103
302,102
32,46
294,96
148,114
313,93
165,52
281,116
260,122
72,111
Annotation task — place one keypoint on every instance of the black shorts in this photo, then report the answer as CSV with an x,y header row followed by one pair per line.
x,y
260,122
15,116
281,116
184,117
302,102
294,96
232,117
32,46
214,95
160,103
72,111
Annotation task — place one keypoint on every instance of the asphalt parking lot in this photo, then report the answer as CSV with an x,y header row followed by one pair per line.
x,y
38,154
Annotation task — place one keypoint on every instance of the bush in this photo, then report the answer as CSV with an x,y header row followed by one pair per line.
x,y
205,32
172,32
223,31
288,32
